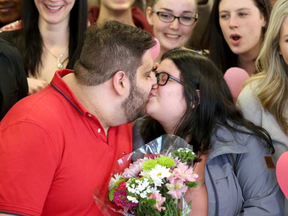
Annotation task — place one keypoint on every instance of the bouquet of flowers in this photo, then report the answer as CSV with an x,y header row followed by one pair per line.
x,y
155,182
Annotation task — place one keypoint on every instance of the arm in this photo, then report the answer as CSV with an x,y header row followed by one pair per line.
x,y
27,167
261,192
13,82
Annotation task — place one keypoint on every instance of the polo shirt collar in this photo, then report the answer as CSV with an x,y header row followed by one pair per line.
x,y
60,86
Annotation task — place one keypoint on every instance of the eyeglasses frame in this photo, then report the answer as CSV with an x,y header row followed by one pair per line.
x,y
169,76
175,17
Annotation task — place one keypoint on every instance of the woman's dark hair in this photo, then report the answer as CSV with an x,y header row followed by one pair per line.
x,y
213,39
214,107
30,42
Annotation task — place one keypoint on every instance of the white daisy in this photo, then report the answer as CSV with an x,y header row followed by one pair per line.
x,y
158,173
113,180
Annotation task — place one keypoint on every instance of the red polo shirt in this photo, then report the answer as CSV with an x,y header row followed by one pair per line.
x,y
54,153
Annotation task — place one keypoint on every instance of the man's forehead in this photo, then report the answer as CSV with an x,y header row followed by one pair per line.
x,y
147,60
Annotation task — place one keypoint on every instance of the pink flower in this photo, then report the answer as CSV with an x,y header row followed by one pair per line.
x,y
176,188
134,169
183,173
159,201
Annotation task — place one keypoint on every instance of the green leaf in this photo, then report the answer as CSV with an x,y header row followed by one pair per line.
x,y
193,184
185,155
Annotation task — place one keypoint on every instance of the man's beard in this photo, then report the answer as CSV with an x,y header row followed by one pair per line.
x,y
134,105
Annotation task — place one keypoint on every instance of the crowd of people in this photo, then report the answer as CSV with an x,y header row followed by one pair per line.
x,y
81,87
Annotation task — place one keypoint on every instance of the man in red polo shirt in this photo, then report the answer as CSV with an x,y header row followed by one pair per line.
x,y
60,144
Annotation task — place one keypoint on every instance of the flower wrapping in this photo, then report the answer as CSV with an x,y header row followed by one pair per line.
x,y
151,180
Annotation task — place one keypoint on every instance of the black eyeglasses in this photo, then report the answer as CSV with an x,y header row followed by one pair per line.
x,y
169,18
163,77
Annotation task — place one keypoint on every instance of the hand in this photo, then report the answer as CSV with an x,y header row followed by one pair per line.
x,y
35,85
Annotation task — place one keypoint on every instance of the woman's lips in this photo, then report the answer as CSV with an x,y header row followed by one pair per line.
x,y
54,9
6,9
235,39
151,95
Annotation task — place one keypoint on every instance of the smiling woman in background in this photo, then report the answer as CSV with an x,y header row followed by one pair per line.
x,y
235,32
51,38
172,21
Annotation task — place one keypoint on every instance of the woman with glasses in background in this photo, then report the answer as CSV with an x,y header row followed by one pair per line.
x,y
234,163
172,21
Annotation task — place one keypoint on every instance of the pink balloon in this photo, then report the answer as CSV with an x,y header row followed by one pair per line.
x,y
282,173
235,78
155,50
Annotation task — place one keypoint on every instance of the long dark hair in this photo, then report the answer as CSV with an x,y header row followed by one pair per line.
x,y
219,51
215,105
30,42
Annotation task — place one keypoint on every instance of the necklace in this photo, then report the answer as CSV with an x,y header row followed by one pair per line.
x,y
59,63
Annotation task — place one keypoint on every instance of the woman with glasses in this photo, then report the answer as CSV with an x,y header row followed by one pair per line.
x,y
172,21
235,33
234,163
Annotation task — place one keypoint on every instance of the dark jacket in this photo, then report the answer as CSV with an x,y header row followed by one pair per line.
x,y
10,36
13,80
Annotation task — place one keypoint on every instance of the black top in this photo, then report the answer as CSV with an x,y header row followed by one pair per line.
x,y
13,80
10,36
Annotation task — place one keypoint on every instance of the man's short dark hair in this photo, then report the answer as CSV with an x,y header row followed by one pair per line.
x,y
109,48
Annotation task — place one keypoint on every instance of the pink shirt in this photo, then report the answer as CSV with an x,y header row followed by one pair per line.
x,y
199,195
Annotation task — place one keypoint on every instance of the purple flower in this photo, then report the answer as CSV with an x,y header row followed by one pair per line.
x,y
120,199
153,156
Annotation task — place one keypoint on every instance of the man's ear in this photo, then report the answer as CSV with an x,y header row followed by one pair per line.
x,y
120,82
149,15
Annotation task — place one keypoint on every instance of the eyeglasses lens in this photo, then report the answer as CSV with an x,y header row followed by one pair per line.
x,y
162,78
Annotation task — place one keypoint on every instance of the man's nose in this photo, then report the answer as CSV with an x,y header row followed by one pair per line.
x,y
153,79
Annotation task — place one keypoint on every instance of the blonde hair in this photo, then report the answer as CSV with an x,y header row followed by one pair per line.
x,y
272,85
